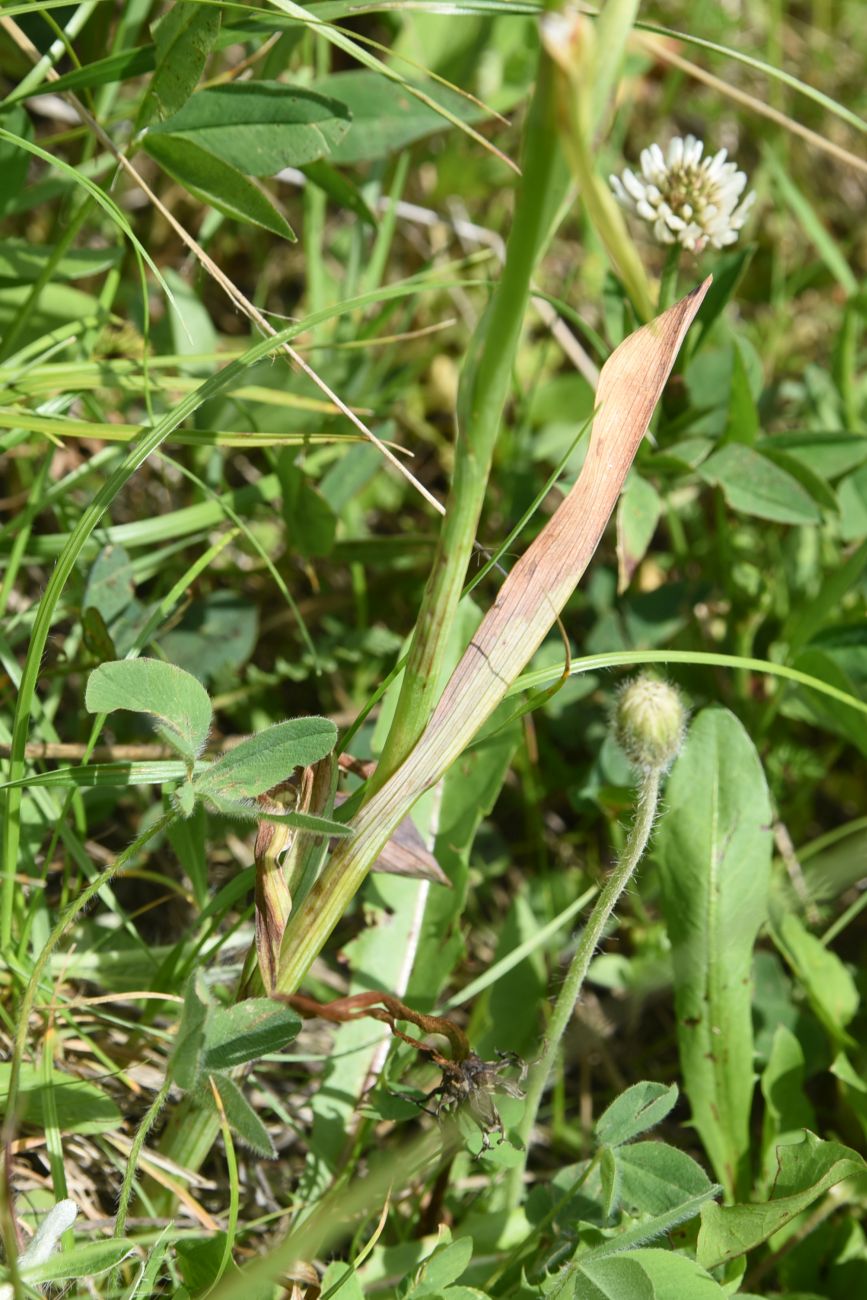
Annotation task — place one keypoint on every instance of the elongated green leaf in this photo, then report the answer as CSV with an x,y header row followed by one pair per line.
x,y
102,774
258,127
268,758
727,273
714,851
175,698
307,822
242,1117
787,1109
87,1259
654,1227
184,38
812,224
832,992
216,183
385,116
756,486
21,262
636,1110
102,72
806,1170
13,161
817,663
742,417
247,1031
76,1105
252,812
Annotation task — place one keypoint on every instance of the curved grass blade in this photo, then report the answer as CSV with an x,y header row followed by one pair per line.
x,y
629,658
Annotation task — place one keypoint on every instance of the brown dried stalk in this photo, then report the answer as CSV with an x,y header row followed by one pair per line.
x,y
526,607
387,1008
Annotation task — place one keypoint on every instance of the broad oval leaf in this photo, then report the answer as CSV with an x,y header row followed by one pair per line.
x,y
636,1110
672,1275
216,183
177,700
443,1266
656,1177
268,758
247,1031
386,116
756,486
259,127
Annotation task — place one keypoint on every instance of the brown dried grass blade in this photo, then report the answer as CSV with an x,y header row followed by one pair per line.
x,y
526,607
544,578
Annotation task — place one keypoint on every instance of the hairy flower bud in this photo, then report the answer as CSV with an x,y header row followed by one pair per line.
x,y
650,718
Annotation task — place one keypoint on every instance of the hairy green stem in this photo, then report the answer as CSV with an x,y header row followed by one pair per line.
x,y
134,1152
482,394
633,850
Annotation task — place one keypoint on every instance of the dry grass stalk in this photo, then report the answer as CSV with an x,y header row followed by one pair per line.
x,y
525,609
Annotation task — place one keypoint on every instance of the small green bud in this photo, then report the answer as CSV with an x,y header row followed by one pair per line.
x,y
650,719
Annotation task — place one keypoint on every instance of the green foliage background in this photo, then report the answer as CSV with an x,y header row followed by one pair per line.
x,y
177,494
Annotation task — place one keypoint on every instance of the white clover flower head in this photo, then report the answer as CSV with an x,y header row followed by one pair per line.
x,y
687,199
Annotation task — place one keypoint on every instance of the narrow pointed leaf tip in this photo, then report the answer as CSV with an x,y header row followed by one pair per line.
x,y
526,607
544,578
177,701
266,759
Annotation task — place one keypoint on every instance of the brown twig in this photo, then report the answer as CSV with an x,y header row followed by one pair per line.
x,y
388,1009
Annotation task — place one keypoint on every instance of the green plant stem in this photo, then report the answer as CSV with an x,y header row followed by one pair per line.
x,y
668,279
484,386
135,1151
633,850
